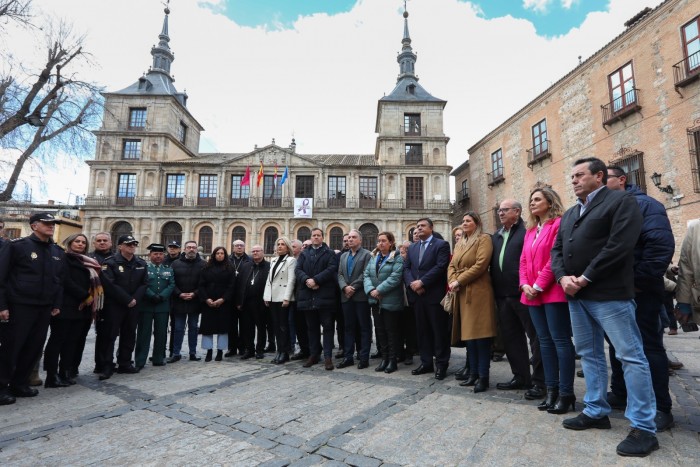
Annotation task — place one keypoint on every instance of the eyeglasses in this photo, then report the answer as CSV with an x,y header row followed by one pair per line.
x,y
500,210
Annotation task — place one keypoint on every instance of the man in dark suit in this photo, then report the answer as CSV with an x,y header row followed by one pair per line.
x,y
425,276
593,261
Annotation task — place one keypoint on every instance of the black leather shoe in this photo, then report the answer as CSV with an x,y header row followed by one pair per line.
x,y
470,381
391,367
247,355
284,358
230,353
106,373
97,370
195,358
23,391
562,404
54,381
340,354
209,355
481,385
422,369
219,356
346,363
440,374
382,365
127,369
276,359
67,377
549,400
299,356
663,421
639,443
535,392
158,363
6,397
584,422
175,358
259,356
363,364
512,384
463,373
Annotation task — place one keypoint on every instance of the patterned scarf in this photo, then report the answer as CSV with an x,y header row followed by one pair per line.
x,y
96,296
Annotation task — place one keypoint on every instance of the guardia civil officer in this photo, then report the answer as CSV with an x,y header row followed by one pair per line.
x,y
31,291
124,278
154,309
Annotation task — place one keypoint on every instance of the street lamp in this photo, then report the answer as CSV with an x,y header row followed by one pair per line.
x,y
656,179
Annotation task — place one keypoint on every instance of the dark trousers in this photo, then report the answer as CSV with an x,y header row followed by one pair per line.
x,y
315,318
386,326
407,339
63,342
339,320
516,328
155,324
235,338
433,335
479,355
22,338
80,346
269,329
280,325
357,317
302,329
649,307
252,320
121,322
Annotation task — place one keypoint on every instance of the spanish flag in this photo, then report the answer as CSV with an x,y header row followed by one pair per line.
x,y
260,174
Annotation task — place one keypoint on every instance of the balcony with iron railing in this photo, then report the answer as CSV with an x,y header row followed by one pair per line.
x,y
538,153
687,70
463,194
621,107
495,177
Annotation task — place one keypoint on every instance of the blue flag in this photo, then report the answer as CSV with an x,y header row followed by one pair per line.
x,y
285,175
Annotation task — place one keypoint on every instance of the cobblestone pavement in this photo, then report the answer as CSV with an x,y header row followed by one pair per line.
x,y
250,413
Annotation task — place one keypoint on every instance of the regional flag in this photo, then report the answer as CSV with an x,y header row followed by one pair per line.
x,y
285,176
274,179
260,174
246,178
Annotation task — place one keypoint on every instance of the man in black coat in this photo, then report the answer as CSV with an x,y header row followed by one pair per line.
x,y
124,278
31,291
235,339
317,285
103,249
425,276
593,261
513,317
250,304
186,304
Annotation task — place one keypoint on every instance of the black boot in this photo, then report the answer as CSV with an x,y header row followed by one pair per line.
x,y
470,381
382,366
54,381
208,357
562,404
391,366
276,360
549,400
66,377
283,358
482,385
219,355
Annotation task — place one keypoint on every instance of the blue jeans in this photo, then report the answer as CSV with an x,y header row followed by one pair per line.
x,y
553,325
590,321
192,320
357,314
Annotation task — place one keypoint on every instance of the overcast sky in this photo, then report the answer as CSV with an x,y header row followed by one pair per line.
x,y
261,69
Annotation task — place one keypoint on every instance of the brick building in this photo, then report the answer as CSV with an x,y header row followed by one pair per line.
x,y
635,103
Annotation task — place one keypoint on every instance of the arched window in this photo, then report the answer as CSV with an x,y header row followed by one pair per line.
x,y
335,239
369,236
119,229
303,234
206,237
171,232
410,234
238,234
270,239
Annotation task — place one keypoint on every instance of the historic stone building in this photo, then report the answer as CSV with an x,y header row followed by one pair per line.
x,y
635,103
148,177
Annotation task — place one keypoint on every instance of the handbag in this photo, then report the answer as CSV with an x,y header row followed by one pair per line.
x,y
448,302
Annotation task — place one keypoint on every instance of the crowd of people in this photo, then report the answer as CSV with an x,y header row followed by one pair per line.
x,y
599,271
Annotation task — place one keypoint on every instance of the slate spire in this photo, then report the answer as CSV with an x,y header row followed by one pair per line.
x,y
407,59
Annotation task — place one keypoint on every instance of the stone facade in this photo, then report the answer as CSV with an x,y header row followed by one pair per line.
x,y
148,177
653,128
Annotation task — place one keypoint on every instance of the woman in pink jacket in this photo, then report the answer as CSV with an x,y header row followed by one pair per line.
x,y
547,302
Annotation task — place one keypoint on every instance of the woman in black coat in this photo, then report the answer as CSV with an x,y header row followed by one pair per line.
x,y
82,296
216,292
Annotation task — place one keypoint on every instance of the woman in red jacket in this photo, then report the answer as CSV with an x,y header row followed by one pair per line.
x,y
546,300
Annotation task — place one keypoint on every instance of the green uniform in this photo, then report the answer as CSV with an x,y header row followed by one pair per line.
x,y
154,311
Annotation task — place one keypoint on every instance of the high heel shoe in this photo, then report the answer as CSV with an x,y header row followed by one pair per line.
x,y
382,366
219,355
208,357
549,401
470,381
481,385
562,404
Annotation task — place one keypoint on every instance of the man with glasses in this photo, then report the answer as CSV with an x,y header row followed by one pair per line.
x,y
124,278
514,320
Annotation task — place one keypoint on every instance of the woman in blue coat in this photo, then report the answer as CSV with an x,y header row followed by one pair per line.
x,y
384,288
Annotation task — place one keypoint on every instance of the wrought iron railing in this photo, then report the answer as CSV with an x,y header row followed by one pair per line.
x,y
687,70
538,153
621,107
495,177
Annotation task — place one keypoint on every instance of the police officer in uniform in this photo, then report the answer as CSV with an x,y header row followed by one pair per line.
x,y
154,309
124,278
31,291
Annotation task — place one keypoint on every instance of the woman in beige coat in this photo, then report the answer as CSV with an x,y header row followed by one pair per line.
x,y
474,319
